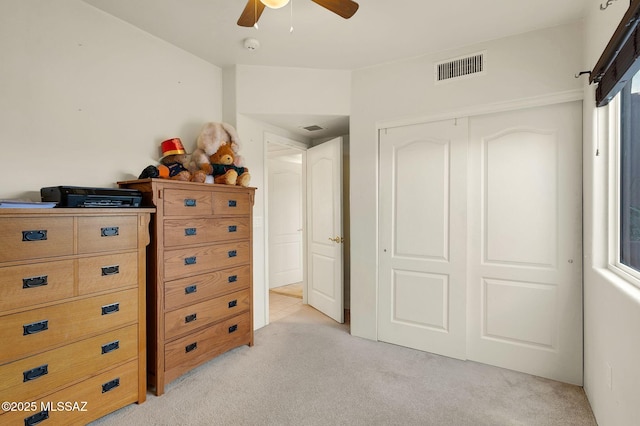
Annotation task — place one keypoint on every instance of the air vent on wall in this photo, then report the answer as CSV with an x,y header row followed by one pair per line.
x,y
460,67
312,128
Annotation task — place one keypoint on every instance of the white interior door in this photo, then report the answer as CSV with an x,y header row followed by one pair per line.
x,y
324,232
422,278
480,239
525,247
285,220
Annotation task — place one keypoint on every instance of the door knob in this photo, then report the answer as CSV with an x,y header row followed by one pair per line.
x,y
337,239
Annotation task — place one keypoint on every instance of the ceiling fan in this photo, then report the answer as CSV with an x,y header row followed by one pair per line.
x,y
254,8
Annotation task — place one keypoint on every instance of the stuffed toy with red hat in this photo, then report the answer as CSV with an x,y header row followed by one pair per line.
x,y
172,164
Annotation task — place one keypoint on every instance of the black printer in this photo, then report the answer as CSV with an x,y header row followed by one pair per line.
x,y
75,196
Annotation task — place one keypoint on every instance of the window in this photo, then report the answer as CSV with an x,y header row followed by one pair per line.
x,y
617,75
629,174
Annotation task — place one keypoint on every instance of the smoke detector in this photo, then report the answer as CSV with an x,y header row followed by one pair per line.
x,y
251,44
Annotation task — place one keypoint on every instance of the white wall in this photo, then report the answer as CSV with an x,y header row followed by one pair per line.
x,y
86,99
526,66
276,90
611,305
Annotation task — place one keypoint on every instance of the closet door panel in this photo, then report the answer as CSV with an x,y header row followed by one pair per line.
x,y
525,246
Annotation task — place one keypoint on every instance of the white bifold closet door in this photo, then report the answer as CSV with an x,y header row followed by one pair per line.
x,y
423,240
480,239
525,247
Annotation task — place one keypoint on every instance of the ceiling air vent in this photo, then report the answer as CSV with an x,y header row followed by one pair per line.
x,y
312,128
460,67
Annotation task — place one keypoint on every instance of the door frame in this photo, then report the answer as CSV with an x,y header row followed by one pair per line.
x,y
271,138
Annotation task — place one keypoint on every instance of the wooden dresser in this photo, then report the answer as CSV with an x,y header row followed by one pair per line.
x,y
72,313
199,277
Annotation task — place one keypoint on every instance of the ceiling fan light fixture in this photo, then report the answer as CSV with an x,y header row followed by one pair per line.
x,y
274,4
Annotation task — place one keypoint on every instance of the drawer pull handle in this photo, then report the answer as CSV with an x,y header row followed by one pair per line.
x,y
190,289
34,282
36,235
110,270
189,202
35,327
233,328
34,373
233,303
36,418
233,228
110,347
233,203
190,347
110,231
110,385
232,253
189,232
233,278
190,318
190,260
110,309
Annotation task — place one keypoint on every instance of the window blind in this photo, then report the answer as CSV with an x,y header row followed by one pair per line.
x,y
618,62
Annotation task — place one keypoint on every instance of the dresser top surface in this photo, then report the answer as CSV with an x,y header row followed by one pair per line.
x,y
9,212
185,185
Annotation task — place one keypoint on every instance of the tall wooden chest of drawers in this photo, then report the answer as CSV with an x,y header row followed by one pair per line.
x,y
199,279
72,313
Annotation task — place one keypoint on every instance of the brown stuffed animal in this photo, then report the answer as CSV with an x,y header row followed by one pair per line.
x,y
212,136
172,164
223,170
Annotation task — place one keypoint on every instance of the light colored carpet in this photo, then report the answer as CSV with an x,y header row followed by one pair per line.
x,y
308,370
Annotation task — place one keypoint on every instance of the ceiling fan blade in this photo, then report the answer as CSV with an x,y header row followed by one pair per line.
x,y
251,13
344,8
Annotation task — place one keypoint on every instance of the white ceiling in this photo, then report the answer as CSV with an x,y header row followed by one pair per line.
x,y
380,31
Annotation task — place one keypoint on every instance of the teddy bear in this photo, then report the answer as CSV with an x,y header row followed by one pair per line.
x,y
211,137
223,170
172,164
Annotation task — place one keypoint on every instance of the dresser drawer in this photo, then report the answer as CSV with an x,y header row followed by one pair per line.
x,y
197,260
45,372
187,352
186,203
103,394
107,233
27,285
107,272
189,318
188,291
228,203
180,232
35,238
38,330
